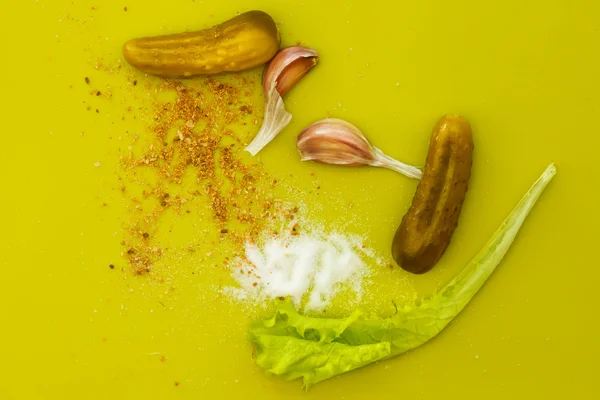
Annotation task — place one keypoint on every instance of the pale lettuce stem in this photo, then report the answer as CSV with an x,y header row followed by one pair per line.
x,y
474,275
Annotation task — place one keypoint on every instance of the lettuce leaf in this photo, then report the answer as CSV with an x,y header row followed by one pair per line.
x,y
293,346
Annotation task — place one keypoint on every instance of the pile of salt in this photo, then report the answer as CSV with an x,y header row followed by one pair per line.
x,y
311,268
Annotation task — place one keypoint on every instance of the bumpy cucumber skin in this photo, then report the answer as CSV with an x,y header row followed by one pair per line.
x,y
427,227
243,42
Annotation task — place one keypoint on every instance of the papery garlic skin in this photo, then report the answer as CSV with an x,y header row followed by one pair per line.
x,y
385,161
276,118
285,69
338,142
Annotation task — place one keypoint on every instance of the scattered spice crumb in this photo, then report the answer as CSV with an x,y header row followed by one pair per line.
x,y
87,80
176,383
111,266
98,93
246,109
163,359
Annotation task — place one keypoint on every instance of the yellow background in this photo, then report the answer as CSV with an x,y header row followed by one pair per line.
x,y
524,73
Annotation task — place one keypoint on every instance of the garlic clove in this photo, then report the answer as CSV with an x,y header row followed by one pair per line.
x,y
334,141
288,61
294,72
338,142
285,70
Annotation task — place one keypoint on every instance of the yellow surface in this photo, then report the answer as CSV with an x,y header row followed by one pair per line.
x,y
524,73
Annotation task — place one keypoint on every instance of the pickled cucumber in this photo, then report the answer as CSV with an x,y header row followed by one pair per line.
x,y
243,42
427,227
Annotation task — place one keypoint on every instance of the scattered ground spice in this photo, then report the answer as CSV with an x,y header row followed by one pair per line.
x,y
196,134
111,266
87,80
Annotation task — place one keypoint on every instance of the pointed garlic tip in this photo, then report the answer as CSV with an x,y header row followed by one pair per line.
x,y
285,70
338,142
